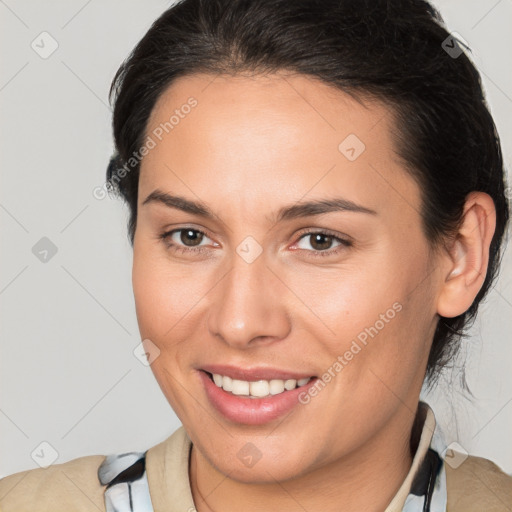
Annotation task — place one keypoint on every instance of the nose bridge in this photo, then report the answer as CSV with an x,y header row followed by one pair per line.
x,y
244,306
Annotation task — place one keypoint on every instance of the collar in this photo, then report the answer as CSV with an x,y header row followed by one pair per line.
x,y
167,471
424,487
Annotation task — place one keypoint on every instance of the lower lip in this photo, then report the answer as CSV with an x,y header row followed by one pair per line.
x,y
252,411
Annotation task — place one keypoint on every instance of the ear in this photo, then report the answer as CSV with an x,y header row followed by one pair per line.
x,y
465,263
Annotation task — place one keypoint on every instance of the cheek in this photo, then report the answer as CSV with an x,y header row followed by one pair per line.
x,y
164,293
171,306
374,322
161,309
347,298
148,295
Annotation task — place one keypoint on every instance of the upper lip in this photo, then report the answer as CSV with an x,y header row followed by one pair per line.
x,y
252,374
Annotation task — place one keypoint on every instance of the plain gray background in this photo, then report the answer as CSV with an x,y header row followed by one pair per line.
x,y
68,374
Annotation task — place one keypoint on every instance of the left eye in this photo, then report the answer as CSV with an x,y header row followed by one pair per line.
x,y
322,242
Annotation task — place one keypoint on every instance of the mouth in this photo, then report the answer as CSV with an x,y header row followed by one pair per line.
x,y
253,397
257,388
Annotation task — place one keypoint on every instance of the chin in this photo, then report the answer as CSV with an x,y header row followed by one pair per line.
x,y
255,462
265,471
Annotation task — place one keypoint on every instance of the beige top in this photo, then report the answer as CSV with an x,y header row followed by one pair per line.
x,y
476,485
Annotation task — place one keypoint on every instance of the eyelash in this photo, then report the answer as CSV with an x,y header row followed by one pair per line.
x,y
328,252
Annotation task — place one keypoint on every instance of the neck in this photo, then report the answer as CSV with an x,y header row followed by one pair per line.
x,y
366,479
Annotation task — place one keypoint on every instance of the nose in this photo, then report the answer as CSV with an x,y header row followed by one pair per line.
x,y
249,307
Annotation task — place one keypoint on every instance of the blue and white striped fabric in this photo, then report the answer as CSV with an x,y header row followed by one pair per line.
x,y
127,484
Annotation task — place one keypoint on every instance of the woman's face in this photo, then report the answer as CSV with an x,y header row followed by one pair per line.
x,y
342,291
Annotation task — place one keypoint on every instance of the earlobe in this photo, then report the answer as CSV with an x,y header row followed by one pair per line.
x,y
468,257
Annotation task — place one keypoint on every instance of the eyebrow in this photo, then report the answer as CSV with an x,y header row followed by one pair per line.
x,y
297,210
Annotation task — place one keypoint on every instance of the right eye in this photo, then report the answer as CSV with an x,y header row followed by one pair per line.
x,y
178,240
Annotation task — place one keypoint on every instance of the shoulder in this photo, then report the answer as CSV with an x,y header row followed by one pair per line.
x,y
478,484
72,485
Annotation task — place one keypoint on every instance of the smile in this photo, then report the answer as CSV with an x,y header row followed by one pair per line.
x,y
253,397
259,388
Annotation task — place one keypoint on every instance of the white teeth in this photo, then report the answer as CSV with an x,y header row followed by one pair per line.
x,y
227,383
276,387
240,387
257,389
290,384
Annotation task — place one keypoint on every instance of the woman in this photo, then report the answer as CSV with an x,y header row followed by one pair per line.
x,y
317,207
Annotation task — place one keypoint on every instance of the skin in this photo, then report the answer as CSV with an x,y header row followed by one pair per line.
x,y
251,146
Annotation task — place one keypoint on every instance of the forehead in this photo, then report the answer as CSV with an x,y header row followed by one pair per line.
x,y
284,104
261,139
